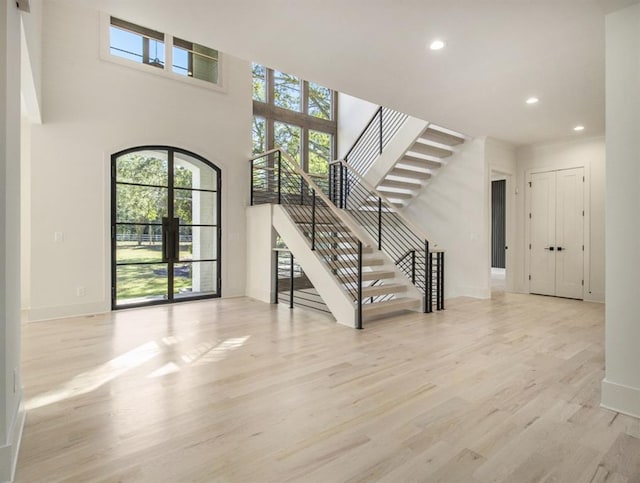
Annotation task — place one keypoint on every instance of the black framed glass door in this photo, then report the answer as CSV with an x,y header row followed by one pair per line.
x,y
165,226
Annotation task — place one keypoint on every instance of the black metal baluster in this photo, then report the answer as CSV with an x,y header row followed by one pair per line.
x,y
381,146
291,282
359,310
379,223
275,282
279,158
427,279
413,267
252,167
313,219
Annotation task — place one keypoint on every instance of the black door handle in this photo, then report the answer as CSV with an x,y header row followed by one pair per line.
x,y
560,249
549,248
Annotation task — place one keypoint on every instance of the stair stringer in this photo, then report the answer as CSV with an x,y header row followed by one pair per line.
x,y
335,297
395,149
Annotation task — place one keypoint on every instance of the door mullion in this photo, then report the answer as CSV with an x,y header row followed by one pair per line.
x,y
171,234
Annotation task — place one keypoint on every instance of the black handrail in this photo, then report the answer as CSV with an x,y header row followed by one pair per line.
x,y
276,178
370,144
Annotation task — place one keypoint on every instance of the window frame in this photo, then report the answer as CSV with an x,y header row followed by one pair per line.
x,y
165,71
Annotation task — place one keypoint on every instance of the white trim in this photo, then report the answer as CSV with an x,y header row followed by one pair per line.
x,y
167,73
9,453
620,398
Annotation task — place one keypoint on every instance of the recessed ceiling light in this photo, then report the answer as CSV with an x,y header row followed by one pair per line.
x,y
578,128
532,100
437,45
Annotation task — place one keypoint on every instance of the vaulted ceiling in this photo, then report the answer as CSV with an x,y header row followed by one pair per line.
x,y
498,53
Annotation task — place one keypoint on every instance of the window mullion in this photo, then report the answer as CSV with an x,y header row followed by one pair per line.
x,y
270,87
305,98
168,53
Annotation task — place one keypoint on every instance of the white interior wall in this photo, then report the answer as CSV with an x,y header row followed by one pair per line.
x,y
93,108
260,255
621,386
589,153
353,115
453,209
501,159
11,413
32,61
25,214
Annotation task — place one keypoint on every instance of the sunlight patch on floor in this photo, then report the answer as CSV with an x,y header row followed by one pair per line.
x,y
95,378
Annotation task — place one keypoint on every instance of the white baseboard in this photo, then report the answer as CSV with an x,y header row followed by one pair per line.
x,y
594,297
9,453
620,398
468,291
80,310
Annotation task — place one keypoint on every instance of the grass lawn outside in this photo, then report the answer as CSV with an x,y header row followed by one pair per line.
x,y
148,281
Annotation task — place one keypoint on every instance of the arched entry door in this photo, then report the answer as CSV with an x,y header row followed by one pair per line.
x,y
165,226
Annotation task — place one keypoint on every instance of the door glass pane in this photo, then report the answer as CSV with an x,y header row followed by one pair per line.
x,y
198,242
195,207
287,91
140,204
319,101
259,83
143,167
138,243
195,278
319,152
190,172
288,137
141,283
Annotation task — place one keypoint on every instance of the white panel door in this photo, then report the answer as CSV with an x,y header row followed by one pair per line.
x,y
557,233
543,233
569,232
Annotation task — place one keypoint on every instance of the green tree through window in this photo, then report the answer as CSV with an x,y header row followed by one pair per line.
x,y
296,115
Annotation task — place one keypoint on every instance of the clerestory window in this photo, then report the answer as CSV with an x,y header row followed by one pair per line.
x,y
172,56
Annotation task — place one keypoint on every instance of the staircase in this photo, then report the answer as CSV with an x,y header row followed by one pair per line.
x,y
418,164
356,280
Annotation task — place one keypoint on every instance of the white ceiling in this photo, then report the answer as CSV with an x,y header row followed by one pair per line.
x,y
499,52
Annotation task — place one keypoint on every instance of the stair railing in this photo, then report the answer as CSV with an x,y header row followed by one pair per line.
x,y
275,177
395,235
371,142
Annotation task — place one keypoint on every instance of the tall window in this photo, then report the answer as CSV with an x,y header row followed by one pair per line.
x,y
296,115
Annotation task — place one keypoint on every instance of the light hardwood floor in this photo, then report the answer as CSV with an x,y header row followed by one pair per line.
x,y
502,390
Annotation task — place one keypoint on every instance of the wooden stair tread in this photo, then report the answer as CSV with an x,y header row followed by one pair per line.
x,y
375,203
377,275
416,162
394,305
392,183
430,150
343,250
441,137
352,265
384,289
395,195
409,173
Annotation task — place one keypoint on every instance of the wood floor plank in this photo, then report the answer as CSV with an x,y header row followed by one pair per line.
x,y
235,390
